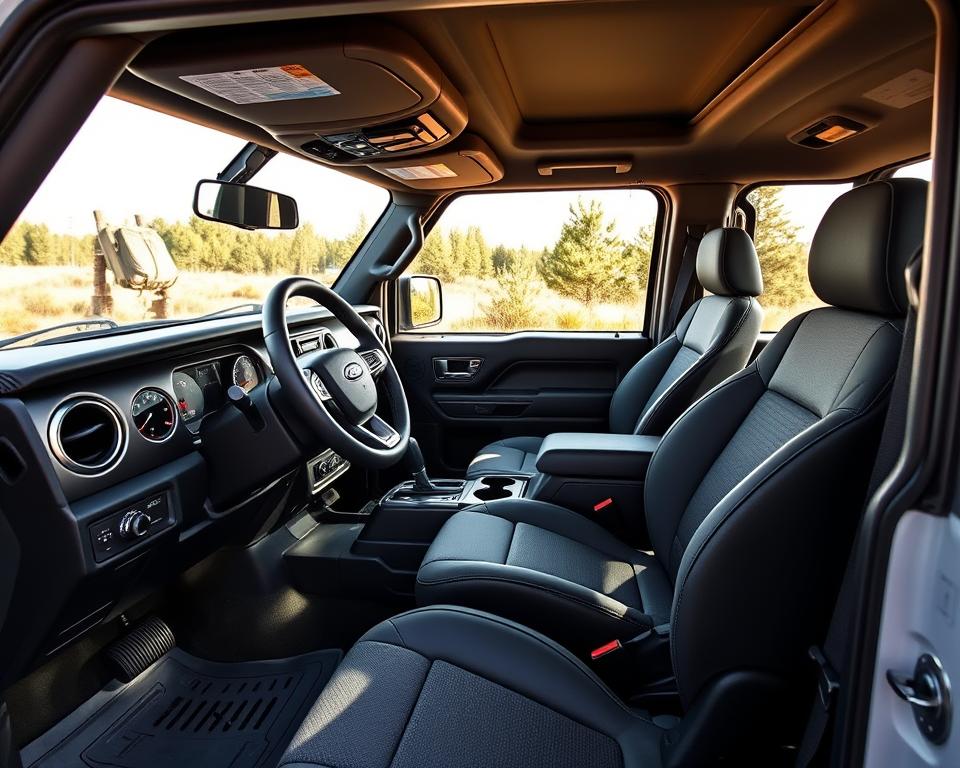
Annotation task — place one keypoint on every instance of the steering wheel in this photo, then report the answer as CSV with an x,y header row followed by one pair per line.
x,y
335,390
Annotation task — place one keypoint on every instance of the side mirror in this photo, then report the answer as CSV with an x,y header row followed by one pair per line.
x,y
421,301
244,206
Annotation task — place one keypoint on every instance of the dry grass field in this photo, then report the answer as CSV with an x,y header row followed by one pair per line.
x,y
37,297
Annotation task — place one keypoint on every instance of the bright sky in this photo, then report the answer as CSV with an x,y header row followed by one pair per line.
x,y
127,159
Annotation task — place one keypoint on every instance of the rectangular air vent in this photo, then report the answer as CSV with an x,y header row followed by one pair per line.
x,y
311,342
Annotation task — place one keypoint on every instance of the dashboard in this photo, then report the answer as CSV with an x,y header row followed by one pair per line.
x,y
124,461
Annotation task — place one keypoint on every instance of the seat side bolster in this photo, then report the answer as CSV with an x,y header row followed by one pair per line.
x,y
638,384
761,627
726,353
562,608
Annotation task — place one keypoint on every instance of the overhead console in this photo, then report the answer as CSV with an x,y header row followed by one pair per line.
x,y
347,95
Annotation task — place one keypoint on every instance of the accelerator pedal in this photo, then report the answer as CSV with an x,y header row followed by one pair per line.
x,y
140,647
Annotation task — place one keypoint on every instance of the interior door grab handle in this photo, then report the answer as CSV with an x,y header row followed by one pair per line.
x,y
453,368
927,691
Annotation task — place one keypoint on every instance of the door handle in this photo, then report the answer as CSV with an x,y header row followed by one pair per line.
x,y
454,368
927,691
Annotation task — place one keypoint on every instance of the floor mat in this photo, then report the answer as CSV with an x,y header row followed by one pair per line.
x,y
188,712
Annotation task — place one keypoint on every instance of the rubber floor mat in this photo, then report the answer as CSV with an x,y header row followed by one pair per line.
x,y
186,712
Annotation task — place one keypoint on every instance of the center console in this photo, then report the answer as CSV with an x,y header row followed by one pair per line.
x,y
598,475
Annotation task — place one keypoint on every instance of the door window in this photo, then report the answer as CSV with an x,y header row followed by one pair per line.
x,y
571,261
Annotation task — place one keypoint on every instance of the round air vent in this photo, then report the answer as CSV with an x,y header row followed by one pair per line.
x,y
86,435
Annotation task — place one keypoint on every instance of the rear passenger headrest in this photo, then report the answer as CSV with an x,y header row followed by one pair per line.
x,y
864,242
727,263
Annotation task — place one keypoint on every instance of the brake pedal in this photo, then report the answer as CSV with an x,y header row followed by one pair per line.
x,y
140,647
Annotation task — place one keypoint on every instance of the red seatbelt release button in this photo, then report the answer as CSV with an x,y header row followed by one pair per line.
x,y
603,650
601,504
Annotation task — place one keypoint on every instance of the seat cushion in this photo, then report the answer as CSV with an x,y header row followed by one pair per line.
x,y
449,686
511,456
552,569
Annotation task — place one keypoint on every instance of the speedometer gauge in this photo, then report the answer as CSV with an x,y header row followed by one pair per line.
x,y
245,373
153,414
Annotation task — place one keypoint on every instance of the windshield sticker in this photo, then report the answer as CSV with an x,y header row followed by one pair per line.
x,y
910,88
435,171
256,86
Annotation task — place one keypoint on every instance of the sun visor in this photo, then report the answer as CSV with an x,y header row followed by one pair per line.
x,y
470,163
359,92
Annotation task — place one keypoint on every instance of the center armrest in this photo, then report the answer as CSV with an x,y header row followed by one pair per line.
x,y
596,455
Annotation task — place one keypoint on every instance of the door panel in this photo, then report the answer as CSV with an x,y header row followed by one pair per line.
x,y
530,383
920,617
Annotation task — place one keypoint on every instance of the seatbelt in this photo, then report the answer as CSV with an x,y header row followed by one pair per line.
x,y
688,267
833,659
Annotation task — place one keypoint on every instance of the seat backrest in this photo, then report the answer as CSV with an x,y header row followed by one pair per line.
x,y
713,339
753,496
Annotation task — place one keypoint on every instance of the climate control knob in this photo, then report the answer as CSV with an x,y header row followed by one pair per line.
x,y
134,524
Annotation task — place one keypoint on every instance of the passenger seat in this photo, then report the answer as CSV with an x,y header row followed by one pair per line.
x,y
713,340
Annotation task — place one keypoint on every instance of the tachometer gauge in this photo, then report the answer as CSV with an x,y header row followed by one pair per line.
x,y
245,373
189,397
153,414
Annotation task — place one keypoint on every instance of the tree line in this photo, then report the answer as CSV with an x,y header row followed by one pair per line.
x,y
589,262
196,245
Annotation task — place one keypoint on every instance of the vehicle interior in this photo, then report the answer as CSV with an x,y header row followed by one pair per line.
x,y
336,528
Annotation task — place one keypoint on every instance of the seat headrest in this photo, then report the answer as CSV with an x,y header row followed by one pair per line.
x,y
863,244
727,263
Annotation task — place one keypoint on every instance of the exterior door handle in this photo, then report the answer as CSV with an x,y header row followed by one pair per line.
x,y
927,691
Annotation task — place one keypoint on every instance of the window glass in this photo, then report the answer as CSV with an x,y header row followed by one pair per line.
x,y
787,217
135,165
921,170
572,261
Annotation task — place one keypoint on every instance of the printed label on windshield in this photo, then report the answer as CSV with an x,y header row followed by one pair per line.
x,y
255,86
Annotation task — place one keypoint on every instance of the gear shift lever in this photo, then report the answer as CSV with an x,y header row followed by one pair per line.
x,y
415,465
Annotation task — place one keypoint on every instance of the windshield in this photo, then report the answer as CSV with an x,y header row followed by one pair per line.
x,y
125,184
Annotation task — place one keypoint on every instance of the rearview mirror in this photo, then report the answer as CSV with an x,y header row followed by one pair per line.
x,y
244,206
421,301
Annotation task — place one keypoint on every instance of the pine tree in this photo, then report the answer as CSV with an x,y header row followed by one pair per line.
x,y
589,262
783,258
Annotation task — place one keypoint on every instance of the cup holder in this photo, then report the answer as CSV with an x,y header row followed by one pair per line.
x,y
492,488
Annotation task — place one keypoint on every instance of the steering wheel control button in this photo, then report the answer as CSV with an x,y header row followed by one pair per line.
x,y
129,526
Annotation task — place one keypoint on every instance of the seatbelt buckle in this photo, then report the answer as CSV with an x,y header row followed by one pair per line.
x,y
603,504
616,645
828,683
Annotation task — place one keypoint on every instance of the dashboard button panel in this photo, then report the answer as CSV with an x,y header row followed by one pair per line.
x,y
136,522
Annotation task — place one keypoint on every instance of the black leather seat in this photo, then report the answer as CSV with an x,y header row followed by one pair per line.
x,y
713,339
751,498
453,687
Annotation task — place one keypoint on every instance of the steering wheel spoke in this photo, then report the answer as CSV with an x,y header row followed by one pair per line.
x,y
375,359
380,432
317,386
